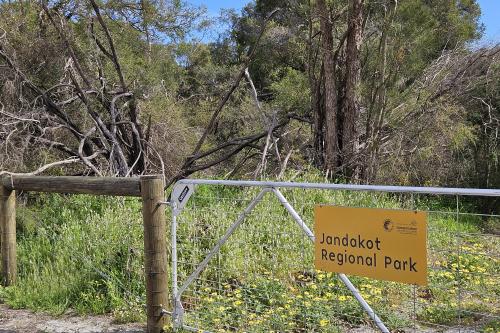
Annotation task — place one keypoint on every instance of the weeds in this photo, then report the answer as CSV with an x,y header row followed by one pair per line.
x,y
86,253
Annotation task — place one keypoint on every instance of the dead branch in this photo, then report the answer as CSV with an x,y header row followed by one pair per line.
x,y
266,122
285,163
85,159
237,144
114,56
43,168
233,87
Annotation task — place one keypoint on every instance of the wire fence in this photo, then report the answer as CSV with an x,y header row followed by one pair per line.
x,y
260,277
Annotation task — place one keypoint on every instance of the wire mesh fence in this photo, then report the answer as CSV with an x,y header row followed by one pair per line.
x,y
260,277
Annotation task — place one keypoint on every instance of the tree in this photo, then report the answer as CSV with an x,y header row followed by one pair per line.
x,y
351,100
331,145
78,87
89,109
367,54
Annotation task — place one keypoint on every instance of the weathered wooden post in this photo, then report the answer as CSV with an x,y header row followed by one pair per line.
x,y
155,251
8,235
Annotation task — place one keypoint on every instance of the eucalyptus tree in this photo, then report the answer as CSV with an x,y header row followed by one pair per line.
x,y
359,58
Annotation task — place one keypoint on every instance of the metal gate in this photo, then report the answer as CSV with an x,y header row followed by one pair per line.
x,y
242,261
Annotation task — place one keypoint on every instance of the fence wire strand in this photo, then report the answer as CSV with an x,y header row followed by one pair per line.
x,y
263,278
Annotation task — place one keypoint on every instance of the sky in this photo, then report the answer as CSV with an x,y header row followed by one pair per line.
x,y
214,6
490,14
491,19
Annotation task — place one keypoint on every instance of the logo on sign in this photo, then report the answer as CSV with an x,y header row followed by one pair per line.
x,y
388,225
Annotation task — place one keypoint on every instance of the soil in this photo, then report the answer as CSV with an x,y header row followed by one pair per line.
x,y
24,321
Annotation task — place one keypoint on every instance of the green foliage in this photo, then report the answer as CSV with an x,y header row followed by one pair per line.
x,y
80,252
177,81
493,326
291,91
416,43
85,253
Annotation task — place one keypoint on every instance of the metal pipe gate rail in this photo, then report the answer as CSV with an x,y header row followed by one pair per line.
x,y
181,194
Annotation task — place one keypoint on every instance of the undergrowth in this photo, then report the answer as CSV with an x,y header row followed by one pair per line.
x,y
82,253
85,253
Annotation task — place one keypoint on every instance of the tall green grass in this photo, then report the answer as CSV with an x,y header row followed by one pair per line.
x,y
82,253
85,253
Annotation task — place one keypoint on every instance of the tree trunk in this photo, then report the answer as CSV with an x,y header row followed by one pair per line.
x,y
315,86
376,111
330,90
318,123
350,105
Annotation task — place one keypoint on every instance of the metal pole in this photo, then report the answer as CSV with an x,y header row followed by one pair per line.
x,y
354,291
177,311
367,188
294,214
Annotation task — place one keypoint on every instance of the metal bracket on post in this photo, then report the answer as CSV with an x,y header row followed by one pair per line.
x,y
180,196
177,314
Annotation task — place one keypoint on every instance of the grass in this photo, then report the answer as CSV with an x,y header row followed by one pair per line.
x,y
462,286
85,253
79,252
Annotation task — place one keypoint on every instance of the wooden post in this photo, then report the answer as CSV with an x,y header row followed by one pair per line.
x,y
155,252
8,236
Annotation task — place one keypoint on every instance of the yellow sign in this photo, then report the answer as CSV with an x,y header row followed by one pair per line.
x,y
378,243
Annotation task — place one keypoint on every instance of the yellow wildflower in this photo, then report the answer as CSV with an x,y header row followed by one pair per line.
x,y
323,322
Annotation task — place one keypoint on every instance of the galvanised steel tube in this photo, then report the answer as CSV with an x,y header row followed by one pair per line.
x,y
367,188
354,291
380,324
294,214
175,283
222,241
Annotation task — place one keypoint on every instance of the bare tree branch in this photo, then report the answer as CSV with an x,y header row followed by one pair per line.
x,y
43,168
114,56
235,85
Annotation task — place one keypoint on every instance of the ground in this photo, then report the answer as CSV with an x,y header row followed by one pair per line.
x,y
24,321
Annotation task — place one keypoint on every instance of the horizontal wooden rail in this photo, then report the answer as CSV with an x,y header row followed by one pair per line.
x,y
76,185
